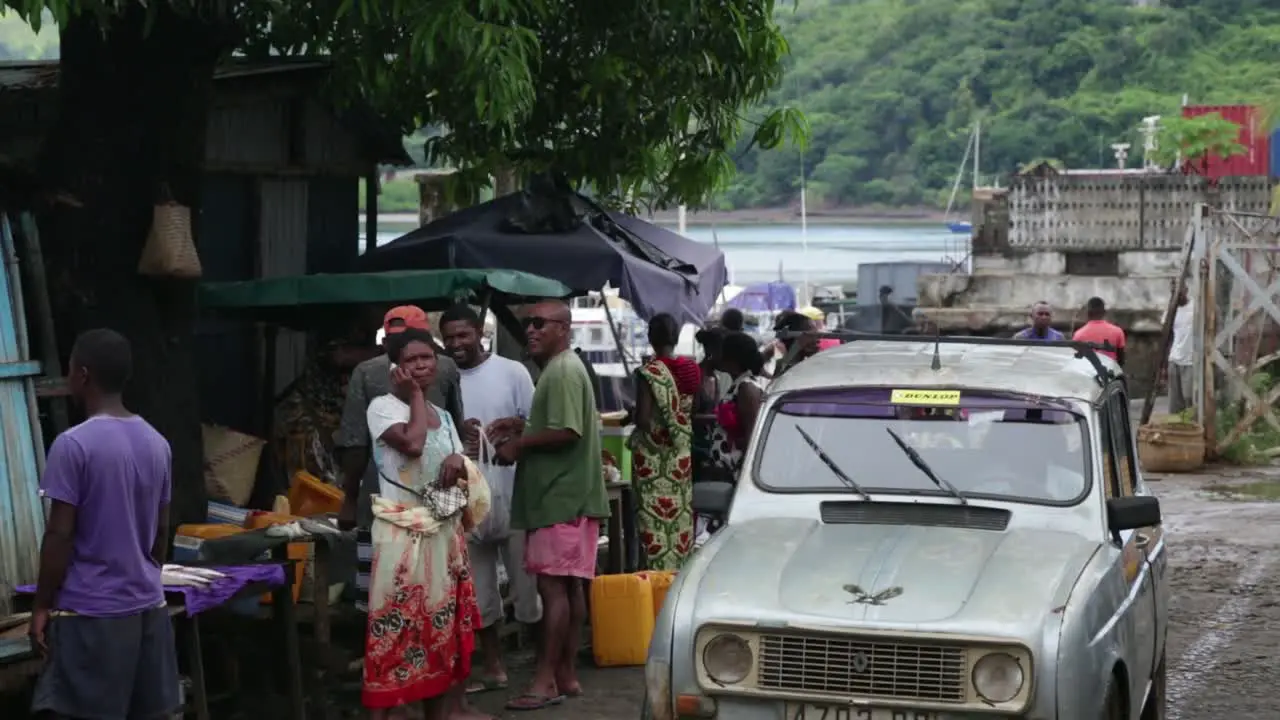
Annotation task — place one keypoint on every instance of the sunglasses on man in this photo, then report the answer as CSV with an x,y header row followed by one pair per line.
x,y
537,322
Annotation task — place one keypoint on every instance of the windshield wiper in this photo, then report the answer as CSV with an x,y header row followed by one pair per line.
x,y
919,462
826,460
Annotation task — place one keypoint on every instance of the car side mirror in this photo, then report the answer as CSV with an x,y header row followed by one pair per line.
x,y
712,497
1131,513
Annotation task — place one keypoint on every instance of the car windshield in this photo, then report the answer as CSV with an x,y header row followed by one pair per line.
x,y
982,445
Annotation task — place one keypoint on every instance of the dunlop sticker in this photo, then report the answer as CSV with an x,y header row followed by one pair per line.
x,y
925,397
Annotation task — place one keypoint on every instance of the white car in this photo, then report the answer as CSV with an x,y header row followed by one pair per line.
x,y
923,530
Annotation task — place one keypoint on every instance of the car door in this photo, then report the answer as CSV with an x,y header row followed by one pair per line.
x,y
1151,542
1140,609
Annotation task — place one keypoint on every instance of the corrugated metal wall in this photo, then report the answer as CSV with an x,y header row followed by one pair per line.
x,y
21,445
327,144
269,134
248,134
282,242
333,224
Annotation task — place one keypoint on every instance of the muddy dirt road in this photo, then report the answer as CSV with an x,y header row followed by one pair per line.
x,y
1224,637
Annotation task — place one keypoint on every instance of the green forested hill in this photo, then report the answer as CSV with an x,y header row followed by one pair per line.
x,y
891,87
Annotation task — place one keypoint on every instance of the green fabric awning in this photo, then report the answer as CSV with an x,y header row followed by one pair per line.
x,y
295,300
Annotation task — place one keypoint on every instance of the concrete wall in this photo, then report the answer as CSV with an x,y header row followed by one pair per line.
x,y
1109,213
1066,238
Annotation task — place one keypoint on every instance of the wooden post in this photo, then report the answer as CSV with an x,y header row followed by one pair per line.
x,y
372,185
505,181
1209,302
1166,331
49,356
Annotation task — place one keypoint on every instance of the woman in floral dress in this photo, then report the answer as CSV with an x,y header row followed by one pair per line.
x,y
422,605
661,445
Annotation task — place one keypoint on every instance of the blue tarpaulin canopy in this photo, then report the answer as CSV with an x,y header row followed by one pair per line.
x,y
765,297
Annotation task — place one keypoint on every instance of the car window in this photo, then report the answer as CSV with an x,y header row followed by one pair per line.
x,y
1122,432
984,445
1109,455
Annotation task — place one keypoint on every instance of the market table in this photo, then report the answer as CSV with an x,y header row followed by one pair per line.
x,y
623,553
185,605
333,558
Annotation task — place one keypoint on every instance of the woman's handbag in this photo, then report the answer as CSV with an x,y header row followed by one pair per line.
x,y
442,502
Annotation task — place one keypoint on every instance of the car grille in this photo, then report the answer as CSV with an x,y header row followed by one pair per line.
x,y
852,666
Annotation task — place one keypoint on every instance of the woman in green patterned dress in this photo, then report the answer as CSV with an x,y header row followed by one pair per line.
x,y
661,445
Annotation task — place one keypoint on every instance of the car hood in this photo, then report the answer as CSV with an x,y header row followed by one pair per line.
x,y
804,572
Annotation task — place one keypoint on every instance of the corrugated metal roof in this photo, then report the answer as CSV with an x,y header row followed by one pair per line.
x,y
28,75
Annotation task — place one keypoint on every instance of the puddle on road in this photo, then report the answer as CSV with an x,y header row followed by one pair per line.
x,y
1259,491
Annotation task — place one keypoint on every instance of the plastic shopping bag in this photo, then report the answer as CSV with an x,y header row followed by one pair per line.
x,y
497,526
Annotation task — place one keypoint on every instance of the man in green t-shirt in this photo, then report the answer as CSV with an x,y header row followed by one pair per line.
x,y
559,499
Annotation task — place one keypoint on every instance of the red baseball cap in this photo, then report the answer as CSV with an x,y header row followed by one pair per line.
x,y
409,316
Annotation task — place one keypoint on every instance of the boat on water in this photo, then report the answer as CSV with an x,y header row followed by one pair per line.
x,y
957,224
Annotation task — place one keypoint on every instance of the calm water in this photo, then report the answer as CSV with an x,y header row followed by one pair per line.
x,y
757,253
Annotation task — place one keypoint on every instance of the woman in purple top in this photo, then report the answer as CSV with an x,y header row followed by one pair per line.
x,y
99,618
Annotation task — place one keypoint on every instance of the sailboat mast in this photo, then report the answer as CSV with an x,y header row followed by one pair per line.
x,y
977,150
804,233
955,186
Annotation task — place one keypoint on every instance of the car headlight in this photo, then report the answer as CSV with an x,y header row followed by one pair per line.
x,y
998,677
727,659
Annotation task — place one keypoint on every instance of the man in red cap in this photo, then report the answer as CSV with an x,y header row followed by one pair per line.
x,y
371,379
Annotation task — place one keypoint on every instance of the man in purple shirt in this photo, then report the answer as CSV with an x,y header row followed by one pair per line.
x,y
99,617
1041,319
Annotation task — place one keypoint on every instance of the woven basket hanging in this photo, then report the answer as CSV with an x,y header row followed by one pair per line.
x,y
230,463
171,249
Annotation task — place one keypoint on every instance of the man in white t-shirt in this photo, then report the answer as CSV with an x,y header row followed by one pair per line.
x,y
497,393
1180,361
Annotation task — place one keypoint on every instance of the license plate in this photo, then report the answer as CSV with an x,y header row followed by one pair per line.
x,y
806,711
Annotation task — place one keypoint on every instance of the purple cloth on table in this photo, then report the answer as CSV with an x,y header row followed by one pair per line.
x,y
199,599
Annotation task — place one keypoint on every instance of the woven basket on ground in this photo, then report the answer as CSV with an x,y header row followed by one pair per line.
x,y
230,463
1171,447
170,250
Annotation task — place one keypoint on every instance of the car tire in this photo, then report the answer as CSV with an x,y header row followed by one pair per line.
x,y
1155,709
1114,708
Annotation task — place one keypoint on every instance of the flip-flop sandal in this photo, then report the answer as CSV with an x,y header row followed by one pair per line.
x,y
486,684
533,701
575,692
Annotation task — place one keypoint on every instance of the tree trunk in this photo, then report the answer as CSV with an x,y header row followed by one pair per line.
x,y
133,103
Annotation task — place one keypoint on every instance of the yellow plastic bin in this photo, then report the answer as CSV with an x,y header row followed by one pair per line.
x,y
310,496
621,619
659,582
613,439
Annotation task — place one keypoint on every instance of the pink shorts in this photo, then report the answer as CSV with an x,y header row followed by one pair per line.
x,y
565,550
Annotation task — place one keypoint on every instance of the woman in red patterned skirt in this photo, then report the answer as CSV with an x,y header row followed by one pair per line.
x,y
422,605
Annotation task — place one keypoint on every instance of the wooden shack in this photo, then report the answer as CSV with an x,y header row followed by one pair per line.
x,y
281,183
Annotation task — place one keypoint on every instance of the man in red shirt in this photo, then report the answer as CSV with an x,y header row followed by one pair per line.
x,y
1100,330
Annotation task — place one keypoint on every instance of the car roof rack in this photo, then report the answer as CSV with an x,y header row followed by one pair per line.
x,y
1087,350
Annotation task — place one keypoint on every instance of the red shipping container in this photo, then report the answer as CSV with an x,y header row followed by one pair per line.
x,y
1256,159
